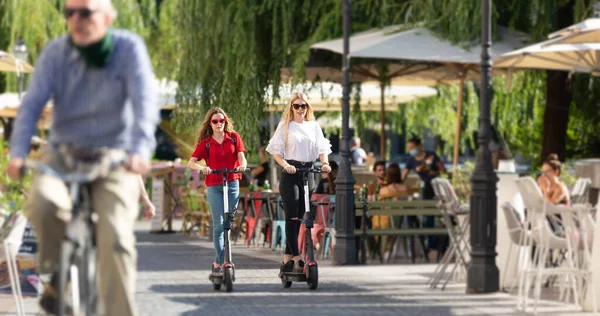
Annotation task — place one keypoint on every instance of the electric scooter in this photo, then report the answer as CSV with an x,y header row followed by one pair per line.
x,y
310,275
227,276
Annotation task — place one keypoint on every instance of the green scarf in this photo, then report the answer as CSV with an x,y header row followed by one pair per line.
x,y
97,54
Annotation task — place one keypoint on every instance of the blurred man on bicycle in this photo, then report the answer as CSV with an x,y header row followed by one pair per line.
x,y
105,108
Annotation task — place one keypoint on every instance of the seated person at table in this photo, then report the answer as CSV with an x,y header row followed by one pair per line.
x,y
261,173
379,172
553,189
327,184
357,154
394,186
394,181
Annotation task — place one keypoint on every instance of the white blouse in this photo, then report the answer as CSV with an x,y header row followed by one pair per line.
x,y
305,142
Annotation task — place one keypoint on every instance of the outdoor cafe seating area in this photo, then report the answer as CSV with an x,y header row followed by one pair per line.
x,y
541,247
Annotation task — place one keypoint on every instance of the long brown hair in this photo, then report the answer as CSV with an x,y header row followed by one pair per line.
x,y
206,129
393,173
331,177
288,114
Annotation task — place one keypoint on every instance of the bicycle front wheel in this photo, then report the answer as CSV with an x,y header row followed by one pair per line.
x,y
64,270
88,281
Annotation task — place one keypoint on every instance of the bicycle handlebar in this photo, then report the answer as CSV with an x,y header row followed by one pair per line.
x,y
73,177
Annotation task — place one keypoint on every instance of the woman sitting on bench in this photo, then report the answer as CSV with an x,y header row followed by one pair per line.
x,y
392,190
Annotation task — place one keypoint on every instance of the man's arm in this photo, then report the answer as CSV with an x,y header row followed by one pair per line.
x,y
38,93
144,100
149,209
256,171
404,174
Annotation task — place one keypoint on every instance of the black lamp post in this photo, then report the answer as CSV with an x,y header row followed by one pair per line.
x,y
482,274
20,53
344,250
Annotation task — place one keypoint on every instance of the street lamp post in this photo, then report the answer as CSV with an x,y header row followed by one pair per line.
x,y
344,249
482,274
20,53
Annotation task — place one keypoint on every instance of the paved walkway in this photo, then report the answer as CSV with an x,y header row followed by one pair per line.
x,y
173,280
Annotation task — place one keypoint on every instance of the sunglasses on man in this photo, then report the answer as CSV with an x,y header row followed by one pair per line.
x,y
84,13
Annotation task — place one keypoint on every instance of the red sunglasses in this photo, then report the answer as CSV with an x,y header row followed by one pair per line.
x,y
218,121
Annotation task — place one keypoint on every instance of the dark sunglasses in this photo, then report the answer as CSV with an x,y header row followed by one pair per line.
x,y
218,121
298,106
84,13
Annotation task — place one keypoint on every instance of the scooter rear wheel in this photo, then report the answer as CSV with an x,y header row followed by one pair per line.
x,y
217,286
286,284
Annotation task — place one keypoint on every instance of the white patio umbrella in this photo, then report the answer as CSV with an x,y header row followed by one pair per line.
x,y
327,96
549,55
417,57
587,31
8,63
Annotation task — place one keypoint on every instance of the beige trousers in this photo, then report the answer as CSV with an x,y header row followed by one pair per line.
x,y
115,199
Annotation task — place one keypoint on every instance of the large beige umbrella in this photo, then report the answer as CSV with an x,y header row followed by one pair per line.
x,y
327,96
8,63
587,31
548,55
417,57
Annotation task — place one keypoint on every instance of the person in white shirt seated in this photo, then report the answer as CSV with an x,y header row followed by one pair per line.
x,y
297,143
357,154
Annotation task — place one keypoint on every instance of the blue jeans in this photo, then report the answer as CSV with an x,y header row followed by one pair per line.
x,y
214,194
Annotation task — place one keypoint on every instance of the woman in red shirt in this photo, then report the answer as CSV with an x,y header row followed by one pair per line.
x,y
220,147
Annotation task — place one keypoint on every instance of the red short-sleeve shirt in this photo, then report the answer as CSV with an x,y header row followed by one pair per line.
x,y
220,156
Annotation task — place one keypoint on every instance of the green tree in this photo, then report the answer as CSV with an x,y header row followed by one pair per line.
x,y
232,51
40,21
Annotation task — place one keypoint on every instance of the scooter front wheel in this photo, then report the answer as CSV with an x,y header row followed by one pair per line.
x,y
228,278
313,277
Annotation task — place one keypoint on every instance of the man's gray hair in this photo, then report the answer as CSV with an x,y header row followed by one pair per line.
x,y
107,6
354,141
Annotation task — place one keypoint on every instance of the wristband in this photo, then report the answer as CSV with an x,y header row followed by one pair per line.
x,y
325,163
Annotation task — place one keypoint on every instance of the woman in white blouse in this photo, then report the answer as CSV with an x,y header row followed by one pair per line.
x,y
298,142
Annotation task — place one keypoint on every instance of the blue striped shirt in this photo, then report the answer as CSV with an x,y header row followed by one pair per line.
x,y
115,106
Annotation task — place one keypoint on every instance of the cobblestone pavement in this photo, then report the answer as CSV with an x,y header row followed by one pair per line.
x,y
173,280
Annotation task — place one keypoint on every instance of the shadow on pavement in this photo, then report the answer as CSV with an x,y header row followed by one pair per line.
x,y
170,252
330,299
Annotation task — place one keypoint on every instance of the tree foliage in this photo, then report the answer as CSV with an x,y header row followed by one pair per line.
x,y
228,53
40,21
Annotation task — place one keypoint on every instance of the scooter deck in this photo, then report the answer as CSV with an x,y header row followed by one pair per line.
x,y
294,276
217,278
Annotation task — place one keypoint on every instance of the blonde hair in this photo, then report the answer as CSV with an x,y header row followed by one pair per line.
x,y
206,129
288,114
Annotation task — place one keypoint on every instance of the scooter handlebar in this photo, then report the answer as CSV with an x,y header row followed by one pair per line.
x,y
215,171
309,170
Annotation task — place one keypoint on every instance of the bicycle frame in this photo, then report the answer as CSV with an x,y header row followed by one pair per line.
x,y
77,250
81,234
